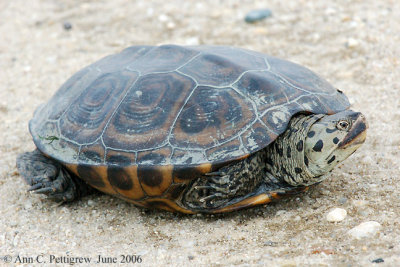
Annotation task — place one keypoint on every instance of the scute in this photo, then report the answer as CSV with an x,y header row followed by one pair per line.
x,y
210,117
175,106
145,116
88,114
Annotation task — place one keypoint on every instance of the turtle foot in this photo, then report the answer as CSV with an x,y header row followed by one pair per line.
x,y
47,177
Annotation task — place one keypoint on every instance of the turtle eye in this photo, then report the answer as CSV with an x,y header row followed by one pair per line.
x,y
343,125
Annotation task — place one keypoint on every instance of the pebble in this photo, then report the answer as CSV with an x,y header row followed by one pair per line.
x,y
67,25
257,15
271,244
352,43
378,260
360,203
336,215
342,200
163,18
280,212
365,229
171,25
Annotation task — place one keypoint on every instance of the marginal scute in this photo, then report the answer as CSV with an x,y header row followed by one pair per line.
x,y
92,175
277,119
119,178
188,157
232,147
93,153
120,158
46,132
153,157
257,136
124,181
185,173
155,180
332,103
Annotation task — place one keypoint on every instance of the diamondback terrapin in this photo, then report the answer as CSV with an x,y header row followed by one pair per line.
x,y
190,129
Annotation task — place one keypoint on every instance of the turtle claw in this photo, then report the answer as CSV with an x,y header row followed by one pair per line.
x,y
35,187
211,197
203,187
45,190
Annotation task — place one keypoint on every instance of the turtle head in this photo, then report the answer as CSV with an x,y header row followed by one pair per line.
x,y
332,139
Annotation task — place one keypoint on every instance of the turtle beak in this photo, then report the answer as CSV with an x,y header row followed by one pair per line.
x,y
358,132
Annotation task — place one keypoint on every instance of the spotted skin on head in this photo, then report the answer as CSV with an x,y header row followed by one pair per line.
x,y
314,145
323,147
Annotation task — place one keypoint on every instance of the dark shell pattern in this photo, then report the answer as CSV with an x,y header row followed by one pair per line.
x,y
173,111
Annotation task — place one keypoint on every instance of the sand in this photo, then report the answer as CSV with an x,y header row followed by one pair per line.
x,y
353,44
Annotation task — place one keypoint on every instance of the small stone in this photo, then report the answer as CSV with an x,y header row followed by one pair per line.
x,y
365,229
280,212
90,203
360,203
352,43
336,215
67,25
378,260
28,205
27,68
190,257
330,11
342,200
257,15
271,244
171,25
163,18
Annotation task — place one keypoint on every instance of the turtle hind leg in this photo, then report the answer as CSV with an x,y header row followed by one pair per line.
x,y
45,176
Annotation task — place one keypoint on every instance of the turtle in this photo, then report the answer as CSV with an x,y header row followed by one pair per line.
x,y
191,129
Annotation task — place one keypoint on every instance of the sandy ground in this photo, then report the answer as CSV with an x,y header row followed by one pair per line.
x,y
354,44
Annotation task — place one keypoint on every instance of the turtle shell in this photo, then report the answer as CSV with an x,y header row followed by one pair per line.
x,y
141,123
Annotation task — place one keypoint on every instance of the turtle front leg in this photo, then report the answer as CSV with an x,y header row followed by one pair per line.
x,y
228,185
45,176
